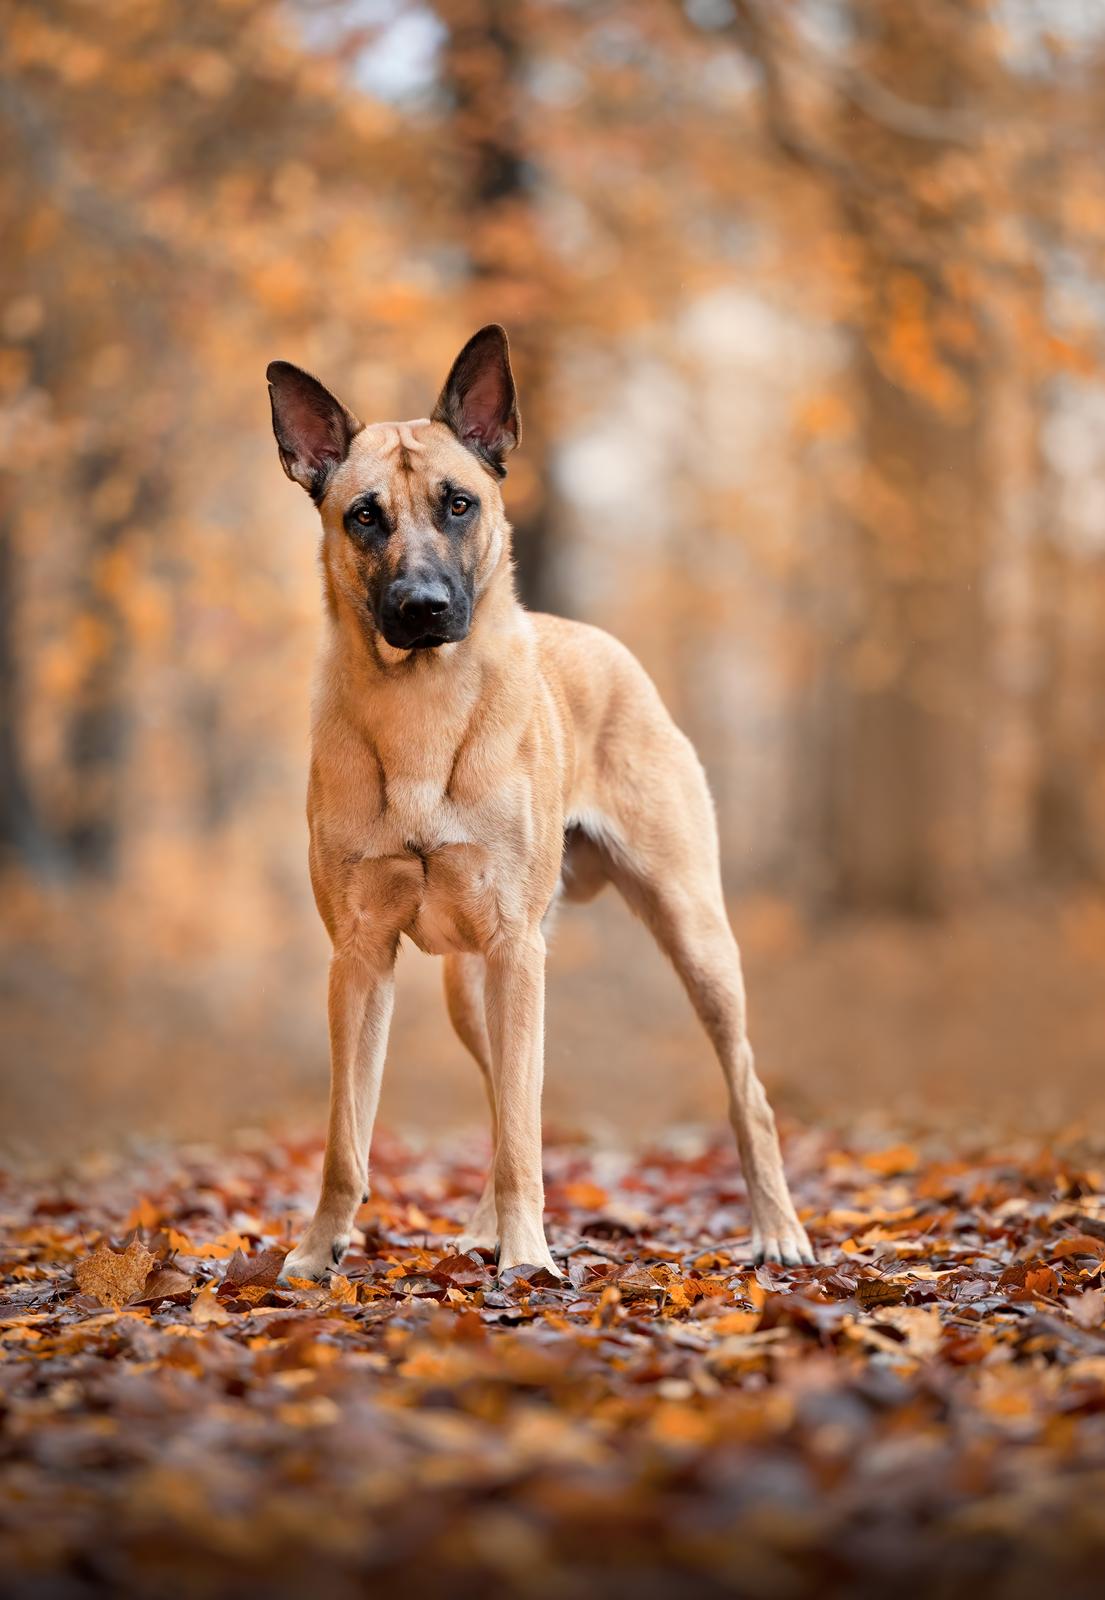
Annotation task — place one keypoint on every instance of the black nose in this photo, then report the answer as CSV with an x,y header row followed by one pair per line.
x,y
420,603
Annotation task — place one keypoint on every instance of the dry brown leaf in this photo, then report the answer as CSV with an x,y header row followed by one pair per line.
x,y
165,1283
1078,1244
207,1307
259,1271
584,1196
734,1322
1088,1309
920,1324
881,1291
115,1277
900,1158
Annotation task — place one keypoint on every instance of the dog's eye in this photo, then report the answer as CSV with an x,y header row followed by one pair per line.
x,y
365,515
459,504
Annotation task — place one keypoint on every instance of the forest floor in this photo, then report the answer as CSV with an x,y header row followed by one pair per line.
x,y
923,1412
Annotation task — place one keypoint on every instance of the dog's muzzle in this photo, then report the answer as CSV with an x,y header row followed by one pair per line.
x,y
420,614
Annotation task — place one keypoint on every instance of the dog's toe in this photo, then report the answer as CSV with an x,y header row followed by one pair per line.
x,y
795,1254
789,1246
294,1274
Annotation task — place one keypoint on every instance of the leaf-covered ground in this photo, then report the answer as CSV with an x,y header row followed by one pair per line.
x,y
922,1413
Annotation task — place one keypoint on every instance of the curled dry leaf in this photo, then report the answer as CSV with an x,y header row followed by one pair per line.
x,y
165,1283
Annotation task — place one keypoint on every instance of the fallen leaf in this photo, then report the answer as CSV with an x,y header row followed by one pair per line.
x,y
165,1283
207,1307
258,1271
881,1291
115,1277
1088,1309
899,1158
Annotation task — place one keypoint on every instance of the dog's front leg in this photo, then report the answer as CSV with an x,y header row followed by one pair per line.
x,y
516,1024
361,995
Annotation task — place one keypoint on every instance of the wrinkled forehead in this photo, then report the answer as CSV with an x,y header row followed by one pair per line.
x,y
403,459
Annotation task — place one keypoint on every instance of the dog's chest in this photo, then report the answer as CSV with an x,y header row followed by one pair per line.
x,y
420,812
425,846
418,817
422,805
441,861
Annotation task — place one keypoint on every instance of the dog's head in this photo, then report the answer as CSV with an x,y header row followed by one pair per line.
x,y
411,511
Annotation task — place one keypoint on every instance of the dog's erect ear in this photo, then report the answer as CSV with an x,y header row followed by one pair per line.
x,y
313,429
478,401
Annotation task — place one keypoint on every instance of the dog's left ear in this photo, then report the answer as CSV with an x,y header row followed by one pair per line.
x,y
478,401
313,429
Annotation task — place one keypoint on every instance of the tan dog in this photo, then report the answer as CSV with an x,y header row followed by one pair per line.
x,y
470,763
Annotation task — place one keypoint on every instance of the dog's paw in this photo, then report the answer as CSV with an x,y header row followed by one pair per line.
x,y
312,1261
536,1272
482,1232
475,1241
535,1256
786,1242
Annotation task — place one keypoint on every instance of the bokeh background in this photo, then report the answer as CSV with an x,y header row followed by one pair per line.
x,y
807,302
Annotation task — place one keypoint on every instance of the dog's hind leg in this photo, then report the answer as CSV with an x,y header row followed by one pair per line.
x,y
698,940
666,866
464,997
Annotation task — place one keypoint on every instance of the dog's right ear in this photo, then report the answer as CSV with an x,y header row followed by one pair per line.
x,y
313,429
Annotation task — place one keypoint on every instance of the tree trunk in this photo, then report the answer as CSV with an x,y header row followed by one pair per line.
x,y
24,838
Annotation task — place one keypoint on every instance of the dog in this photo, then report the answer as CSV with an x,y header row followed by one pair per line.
x,y
471,763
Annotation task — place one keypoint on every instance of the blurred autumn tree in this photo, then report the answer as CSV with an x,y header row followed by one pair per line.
x,y
940,138
806,302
